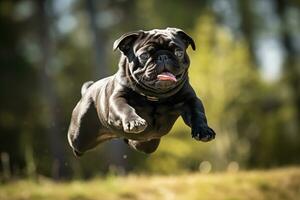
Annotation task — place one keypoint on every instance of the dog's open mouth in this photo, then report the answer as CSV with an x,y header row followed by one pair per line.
x,y
167,76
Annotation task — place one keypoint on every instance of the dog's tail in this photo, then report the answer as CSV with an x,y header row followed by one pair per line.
x,y
85,86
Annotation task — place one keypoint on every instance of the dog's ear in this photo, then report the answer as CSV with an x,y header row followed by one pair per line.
x,y
188,40
125,42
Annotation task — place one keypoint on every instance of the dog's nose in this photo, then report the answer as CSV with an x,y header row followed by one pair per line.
x,y
162,58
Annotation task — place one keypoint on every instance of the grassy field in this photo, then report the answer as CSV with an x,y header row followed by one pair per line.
x,y
277,184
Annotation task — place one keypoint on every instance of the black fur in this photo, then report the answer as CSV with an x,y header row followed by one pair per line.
x,y
133,104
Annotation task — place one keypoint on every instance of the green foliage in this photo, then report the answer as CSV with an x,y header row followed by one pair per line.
x,y
43,68
223,77
252,118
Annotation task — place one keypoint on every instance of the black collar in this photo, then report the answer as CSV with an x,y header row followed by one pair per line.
x,y
150,98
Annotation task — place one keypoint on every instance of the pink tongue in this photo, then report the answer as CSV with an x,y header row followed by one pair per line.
x,y
166,76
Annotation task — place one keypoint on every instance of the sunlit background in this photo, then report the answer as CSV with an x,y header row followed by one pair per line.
x,y
245,69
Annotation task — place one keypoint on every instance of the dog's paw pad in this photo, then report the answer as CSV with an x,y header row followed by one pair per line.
x,y
203,133
135,125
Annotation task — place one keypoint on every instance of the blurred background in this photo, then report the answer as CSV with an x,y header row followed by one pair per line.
x,y
246,70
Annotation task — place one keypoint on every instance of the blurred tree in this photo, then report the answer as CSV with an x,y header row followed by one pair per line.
x,y
223,77
17,80
100,70
289,29
52,109
49,48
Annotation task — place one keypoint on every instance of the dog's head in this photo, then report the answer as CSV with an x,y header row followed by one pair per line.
x,y
156,60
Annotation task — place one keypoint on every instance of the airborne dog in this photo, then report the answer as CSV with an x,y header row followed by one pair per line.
x,y
141,102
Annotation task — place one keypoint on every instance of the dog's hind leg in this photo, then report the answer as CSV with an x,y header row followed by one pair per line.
x,y
84,127
145,146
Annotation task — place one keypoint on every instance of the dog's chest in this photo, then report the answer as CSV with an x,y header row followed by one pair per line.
x,y
160,117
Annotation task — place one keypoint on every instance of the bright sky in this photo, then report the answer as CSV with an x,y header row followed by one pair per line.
x,y
270,57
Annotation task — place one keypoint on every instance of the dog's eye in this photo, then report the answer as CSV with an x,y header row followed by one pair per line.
x,y
179,53
144,56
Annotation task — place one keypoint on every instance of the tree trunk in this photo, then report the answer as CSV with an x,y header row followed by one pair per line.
x,y
54,130
100,69
247,26
292,66
116,149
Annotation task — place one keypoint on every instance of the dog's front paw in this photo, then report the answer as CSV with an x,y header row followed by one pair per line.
x,y
203,133
115,123
134,125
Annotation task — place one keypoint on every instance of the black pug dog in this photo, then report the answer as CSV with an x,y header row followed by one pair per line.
x,y
141,102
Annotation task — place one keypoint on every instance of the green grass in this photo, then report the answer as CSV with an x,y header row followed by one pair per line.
x,y
279,184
